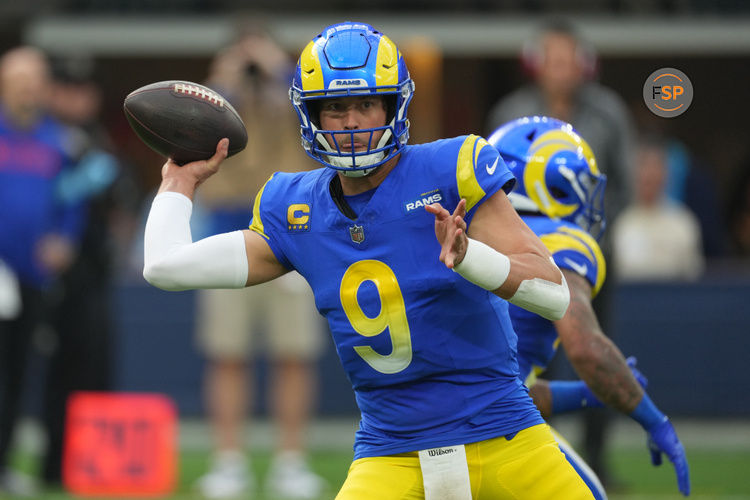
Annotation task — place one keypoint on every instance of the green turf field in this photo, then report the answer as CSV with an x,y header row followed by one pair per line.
x,y
719,458
715,474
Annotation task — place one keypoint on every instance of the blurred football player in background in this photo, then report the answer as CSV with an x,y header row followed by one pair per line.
x,y
254,73
563,67
413,292
38,231
560,195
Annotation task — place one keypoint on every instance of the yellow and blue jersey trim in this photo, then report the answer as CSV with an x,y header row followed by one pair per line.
x,y
477,162
256,224
574,249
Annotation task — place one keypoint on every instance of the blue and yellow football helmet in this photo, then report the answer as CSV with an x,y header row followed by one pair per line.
x,y
555,170
352,59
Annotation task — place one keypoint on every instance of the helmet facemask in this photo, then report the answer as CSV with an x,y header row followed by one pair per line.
x,y
355,163
349,60
591,214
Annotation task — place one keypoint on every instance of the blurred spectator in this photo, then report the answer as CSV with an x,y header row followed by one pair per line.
x,y
690,181
563,68
693,183
656,238
79,307
254,74
38,233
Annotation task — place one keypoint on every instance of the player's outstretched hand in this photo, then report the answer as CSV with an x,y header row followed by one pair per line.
x,y
189,176
662,438
450,230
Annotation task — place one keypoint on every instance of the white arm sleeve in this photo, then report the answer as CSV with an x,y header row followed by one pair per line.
x,y
172,261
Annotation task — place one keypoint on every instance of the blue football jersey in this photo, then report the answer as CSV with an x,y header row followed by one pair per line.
x,y
574,249
431,357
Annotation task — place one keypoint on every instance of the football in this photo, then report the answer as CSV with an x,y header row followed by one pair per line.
x,y
184,120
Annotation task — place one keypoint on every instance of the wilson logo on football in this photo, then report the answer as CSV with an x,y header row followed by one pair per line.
x,y
199,92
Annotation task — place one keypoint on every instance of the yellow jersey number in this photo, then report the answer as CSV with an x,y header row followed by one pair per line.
x,y
392,314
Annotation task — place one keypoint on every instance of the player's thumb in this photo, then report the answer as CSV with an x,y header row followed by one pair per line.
x,y
654,450
222,148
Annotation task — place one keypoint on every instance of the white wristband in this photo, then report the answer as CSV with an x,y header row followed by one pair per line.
x,y
172,261
484,266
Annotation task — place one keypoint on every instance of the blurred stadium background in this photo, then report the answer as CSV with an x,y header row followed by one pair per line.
x,y
690,339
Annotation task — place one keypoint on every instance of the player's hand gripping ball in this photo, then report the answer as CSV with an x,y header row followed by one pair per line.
x,y
183,120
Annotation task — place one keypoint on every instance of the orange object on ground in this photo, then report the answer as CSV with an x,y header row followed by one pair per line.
x,y
120,445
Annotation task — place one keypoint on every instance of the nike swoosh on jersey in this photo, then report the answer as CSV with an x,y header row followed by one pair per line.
x,y
579,268
491,170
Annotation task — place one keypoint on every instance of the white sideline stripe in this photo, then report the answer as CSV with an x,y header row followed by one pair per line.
x,y
338,434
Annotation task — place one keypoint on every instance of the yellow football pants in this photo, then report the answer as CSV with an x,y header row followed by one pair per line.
x,y
529,466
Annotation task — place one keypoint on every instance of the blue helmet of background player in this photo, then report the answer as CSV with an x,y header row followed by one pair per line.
x,y
352,59
555,169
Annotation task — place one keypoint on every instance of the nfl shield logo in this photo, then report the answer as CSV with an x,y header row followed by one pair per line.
x,y
357,233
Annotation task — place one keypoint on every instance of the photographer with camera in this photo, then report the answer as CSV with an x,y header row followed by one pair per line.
x,y
253,73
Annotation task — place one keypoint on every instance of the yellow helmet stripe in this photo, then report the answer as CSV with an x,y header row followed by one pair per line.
x,y
386,64
257,222
311,73
601,264
541,150
468,186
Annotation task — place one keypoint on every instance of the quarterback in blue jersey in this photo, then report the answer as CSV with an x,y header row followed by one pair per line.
x,y
559,194
413,253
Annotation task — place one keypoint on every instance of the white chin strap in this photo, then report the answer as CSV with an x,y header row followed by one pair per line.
x,y
348,162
